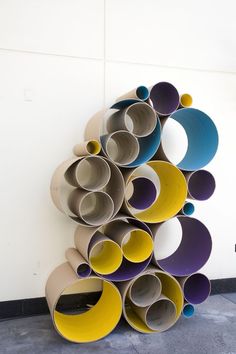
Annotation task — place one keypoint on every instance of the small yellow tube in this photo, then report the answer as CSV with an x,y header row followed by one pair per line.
x,y
138,247
186,100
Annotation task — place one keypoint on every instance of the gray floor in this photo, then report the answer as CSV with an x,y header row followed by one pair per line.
x,y
211,330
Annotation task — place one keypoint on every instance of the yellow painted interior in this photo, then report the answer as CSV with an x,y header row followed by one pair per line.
x,y
93,147
97,322
105,257
186,100
139,246
172,194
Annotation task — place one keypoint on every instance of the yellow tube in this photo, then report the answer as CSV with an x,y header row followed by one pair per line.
x,y
95,323
138,247
93,147
172,195
186,100
105,257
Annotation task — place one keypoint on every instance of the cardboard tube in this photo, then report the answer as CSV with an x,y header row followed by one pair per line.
x,y
90,147
141,92
85,327
159,316
145,290
105,255
193,251
91,173
121,147
165,98
186,100
78,263
94,208
138,118
196,288
142,193
172,194
201,184
170,288
136,243
188,209
188,310
202,138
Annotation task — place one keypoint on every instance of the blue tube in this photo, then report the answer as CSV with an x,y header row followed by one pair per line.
x,y
188,310
188,209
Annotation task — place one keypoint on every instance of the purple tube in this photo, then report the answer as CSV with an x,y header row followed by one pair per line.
x,y
165,98
201,185
193,251
197,288
144,193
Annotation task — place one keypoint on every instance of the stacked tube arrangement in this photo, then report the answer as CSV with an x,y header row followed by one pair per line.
x,y
137,249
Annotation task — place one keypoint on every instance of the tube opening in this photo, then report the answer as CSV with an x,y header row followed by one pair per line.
x,y
83,270
201,185
140,119
93,147
165,98
142,93
188,209
142,193
188,310
186,100
197,288
137,246
122,147
96,208
145,290
161,315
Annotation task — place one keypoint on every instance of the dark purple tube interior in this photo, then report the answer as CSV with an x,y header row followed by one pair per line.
x,y
197,288
201,185
193,251
144,193
165,98
83,270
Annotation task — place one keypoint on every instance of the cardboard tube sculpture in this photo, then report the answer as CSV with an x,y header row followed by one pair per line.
x,y
193,251
91,173
196,288
201,184
141,93
188,310
78,263
202,138
165,98
186,100
138,118
87,148
83,239
173,192
170,289
93,324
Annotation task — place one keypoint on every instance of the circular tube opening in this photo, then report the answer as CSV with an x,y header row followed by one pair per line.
x,y
188,209
188,310
165,98
93,147
140,119
137,246
193,251
186,100
122,147
143,193
145,290
83,270
201,185
93,173
197,288
142,93
202,138
96,208
161,315
105,257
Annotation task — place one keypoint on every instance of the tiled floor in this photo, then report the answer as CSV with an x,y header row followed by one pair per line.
x,y
211,330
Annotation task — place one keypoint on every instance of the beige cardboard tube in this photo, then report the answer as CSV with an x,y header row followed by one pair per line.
x,y
83,327
138,118
122,147
140,92
78,263
159,316
94,126
136,244
90,147
145,290
94,208
91,173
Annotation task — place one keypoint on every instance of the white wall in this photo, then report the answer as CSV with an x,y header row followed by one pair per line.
x,y
60,61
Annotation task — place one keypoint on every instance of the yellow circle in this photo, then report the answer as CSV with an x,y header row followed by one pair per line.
x,y
186,100
138,247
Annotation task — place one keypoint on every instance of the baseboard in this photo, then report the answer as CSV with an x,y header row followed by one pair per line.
x,y
38,306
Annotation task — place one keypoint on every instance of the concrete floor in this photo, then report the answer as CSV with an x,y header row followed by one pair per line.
x,y
211,330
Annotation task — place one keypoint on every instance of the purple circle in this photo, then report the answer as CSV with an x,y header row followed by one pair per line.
x,y
83,270
201,185
165,98
197,288
144,193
